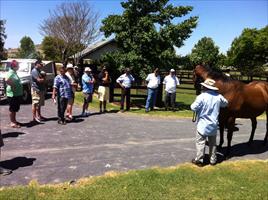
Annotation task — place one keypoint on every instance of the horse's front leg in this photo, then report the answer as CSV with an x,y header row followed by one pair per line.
x,y
221,125
254,126
230,126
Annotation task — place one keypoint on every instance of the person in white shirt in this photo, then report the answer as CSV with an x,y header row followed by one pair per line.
x,y
153,80
70,75
125,81
171,82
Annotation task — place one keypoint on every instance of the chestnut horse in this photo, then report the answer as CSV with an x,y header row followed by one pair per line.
x,y
245,101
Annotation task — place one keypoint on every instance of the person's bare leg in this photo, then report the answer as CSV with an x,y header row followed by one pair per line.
x,y
34,111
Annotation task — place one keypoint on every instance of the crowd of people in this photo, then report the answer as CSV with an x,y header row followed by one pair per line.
x,y
206,105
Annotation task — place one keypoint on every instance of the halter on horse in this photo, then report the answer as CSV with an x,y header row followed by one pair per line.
x,y
245,101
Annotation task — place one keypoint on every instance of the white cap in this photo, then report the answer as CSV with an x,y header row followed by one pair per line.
x,y
69,66
87,69
172,70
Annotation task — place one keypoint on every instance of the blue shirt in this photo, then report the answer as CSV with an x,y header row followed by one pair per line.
x,y
87,86
207,106
36,86
125,80
63,85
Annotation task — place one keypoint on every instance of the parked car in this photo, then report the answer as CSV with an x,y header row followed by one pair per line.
x,y
24,72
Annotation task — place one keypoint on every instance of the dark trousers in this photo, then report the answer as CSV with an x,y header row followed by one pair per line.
x,y
170,99
62,105
125,93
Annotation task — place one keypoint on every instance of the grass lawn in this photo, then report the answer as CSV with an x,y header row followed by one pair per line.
x,y
239,180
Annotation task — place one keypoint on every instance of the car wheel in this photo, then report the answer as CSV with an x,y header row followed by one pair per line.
x,y
26,95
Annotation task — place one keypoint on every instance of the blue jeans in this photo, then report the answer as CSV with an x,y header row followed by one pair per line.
x,y
151,98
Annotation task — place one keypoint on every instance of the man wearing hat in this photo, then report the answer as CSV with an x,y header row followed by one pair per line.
x,y
171,81
38,91
125,81
207,107
71,76
88,85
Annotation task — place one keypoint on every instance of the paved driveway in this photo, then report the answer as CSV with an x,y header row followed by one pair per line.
x,y
52,153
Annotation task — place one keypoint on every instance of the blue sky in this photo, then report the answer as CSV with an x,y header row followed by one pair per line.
x,y
222,20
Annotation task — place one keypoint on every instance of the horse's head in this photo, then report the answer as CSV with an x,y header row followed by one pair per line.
x,y
200,73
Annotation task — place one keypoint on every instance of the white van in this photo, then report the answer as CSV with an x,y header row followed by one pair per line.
x,y
24,72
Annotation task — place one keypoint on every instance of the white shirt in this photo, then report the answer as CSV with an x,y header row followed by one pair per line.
x,y
125,80
153,81
72,80
171,82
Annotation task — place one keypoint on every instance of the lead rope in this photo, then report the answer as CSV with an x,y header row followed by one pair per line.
x,y
194,117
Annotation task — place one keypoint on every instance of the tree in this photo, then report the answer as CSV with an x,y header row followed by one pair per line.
x,y
146,34
205,52
249,51
222,60
3,36
50,52
186,62
73,25
27,48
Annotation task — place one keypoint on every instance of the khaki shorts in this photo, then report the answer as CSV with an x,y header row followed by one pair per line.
x,y
38,98
103,93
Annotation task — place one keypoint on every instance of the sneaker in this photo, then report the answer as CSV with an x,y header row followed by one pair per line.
x,y
4,171
213,163
197,163
62,122
69,117
146,110
87,113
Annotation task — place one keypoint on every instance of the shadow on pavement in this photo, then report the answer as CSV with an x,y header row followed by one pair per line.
x,y
76,119
12,134
17,162
30,124
243,149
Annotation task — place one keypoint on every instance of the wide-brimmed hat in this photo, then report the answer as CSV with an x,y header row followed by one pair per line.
x,y
209,84
87,69
69,66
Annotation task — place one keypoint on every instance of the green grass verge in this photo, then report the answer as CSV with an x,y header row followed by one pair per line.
x,y
240,180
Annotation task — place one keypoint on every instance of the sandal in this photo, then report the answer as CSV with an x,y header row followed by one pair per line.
x,y
15,125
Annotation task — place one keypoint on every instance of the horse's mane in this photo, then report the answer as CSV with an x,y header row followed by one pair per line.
x,y
217,74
